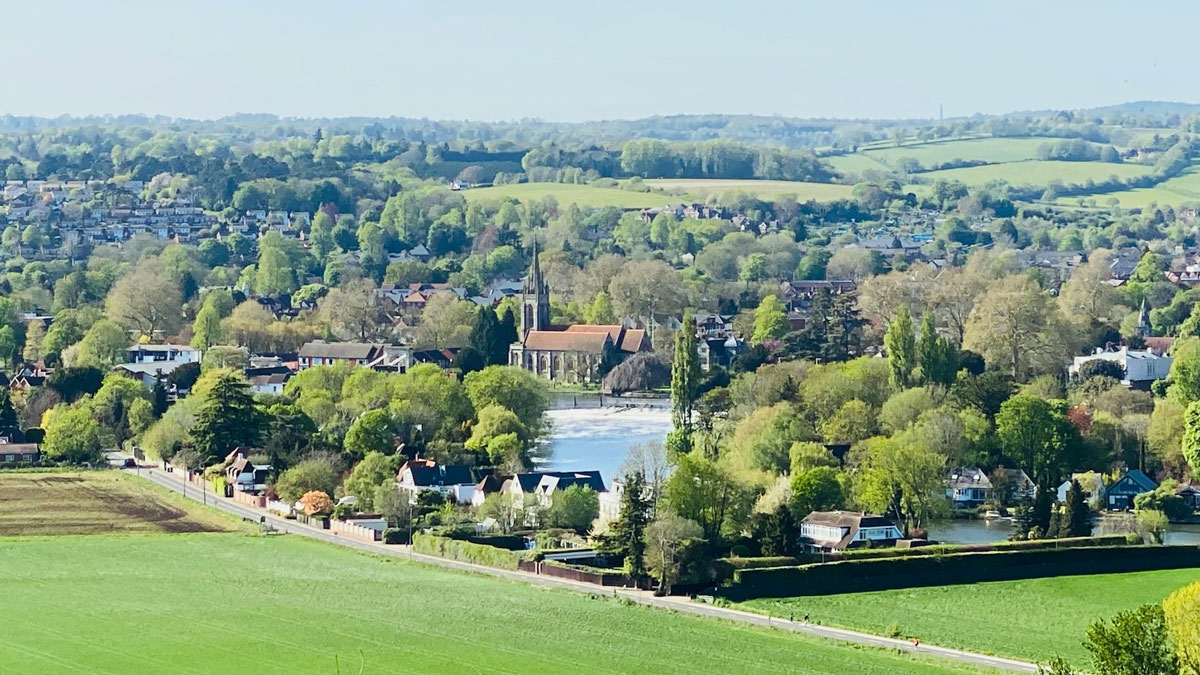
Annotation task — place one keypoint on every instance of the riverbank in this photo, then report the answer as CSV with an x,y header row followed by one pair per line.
x,y
583,439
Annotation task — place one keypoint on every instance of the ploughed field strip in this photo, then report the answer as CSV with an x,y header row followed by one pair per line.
x,y
92,503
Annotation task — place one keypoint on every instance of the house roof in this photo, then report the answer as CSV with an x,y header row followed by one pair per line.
x,y
151,367
969,477
850,522
563,341
563,480
428,473
338,350
18,448
1137,479
162,348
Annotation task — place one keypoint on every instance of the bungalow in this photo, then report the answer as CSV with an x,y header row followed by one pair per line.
x,y
1120,494
322,353
19,453
968,488
1188,492
823,531
454,481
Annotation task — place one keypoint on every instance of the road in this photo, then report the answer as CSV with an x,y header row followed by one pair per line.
x,y
678,604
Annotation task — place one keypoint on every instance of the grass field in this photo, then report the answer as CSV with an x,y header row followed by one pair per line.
x,y
237,603
1040,173
95,503
171,593
982,149
766,189
566,193
856,163
1033,619
1184,188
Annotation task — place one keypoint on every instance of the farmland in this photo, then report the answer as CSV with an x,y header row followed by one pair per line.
x,y
566,193
979,149
1184,188
1039,173
1052,614
237,603
95,502
700,188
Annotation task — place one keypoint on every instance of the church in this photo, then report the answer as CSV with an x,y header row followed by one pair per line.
x,y
574,354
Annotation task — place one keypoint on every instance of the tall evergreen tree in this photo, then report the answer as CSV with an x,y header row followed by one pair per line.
x,y
1076,520
626,538
486,338
158,398
937,356
228,419
901,344
8,414
685,382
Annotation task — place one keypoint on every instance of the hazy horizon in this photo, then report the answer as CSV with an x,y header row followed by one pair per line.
x,y
556,63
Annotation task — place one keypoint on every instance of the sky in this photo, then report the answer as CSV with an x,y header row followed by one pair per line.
x,y
577,61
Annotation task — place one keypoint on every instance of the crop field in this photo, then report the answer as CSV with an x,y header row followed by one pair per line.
x,y
1031,619
1040,173
40,503
766,189
566,193
855,163
981,149
239,603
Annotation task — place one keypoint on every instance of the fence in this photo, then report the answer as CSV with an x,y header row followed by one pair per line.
x,y
353,531
575,574
256,501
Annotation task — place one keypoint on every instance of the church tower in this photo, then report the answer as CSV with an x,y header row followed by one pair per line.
x,y
1143,324
535,299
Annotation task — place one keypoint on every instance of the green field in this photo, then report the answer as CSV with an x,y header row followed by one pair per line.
x,y
856,163
238,603
700,188
1032,619
981,149
1040,173
1184,188
567,193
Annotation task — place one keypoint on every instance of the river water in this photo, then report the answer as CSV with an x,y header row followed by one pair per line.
x,y
599,438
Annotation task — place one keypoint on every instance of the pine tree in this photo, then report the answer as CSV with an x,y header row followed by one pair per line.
x,y
1022,522
626,538
8,414
685,381
228,419
901,344
485,337
158,398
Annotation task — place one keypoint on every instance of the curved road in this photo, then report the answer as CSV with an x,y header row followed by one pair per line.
x,y
678,604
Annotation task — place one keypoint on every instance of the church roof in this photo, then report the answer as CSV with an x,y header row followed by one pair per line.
x,y
568,340
626,339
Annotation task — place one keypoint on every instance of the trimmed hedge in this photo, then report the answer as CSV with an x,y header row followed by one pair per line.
x,y
943,549
394,535
847,576
465,551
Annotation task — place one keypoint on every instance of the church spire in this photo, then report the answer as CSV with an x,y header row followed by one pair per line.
x,y
1143,324
535,297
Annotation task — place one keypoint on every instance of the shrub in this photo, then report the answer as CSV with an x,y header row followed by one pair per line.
x,y
464,551
394,535
316,503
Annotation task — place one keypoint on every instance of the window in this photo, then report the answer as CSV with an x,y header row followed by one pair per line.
x,y
10,458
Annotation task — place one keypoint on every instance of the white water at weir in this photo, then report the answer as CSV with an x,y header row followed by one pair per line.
x,y
599,438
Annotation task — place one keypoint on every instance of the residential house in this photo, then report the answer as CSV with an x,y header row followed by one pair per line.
x,y
968,488
454,481
19,453
322,353
1092,484
540,484
140,353
1189,492
1119,495
243,474
269,383
841,530
1142,366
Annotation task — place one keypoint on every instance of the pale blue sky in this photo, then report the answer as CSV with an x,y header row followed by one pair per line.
x,y
570,60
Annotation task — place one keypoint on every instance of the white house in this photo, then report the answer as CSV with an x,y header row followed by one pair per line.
x,y
140,353
454,481
1142,366
840,530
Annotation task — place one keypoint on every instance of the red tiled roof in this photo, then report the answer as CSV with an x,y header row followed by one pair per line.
x,y
563,341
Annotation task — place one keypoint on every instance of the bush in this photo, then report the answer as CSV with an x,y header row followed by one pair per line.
x,y
395,535
464,551
848,576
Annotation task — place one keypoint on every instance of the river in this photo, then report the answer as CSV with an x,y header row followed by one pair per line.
x,y
599,438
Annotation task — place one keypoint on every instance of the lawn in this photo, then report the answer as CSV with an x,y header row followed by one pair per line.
x,y
567,193
1032,619
1040,173
699,188
96,502
240,603
981,149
